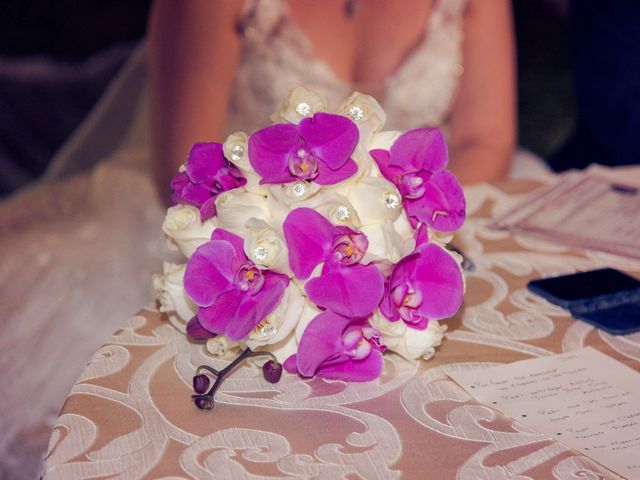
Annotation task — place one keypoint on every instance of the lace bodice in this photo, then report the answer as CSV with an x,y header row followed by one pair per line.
x,y
277,57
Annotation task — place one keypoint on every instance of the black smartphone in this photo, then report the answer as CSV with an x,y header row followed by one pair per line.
x,y
606,298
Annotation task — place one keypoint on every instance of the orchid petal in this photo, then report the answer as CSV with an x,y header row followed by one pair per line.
x,y
178,183
353,291
255,308
439,278
222,312
331,138
269,151
386,306
420,149
204,161
308,236
236,242
363,370
326,176
209,272
321,340
291,364
208,209
442,206
196,193
196,331
383,160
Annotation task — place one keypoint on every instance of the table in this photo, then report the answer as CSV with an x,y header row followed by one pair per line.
x,y
129,415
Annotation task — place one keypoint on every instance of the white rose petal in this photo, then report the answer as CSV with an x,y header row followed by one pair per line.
x,y
266,247
302,103
236,150
384,243
220,346
236,207
367,114
368,196
277,326
403,228
384,140
284,348
173,299
409,342
183,229
290,193
333,206
309,312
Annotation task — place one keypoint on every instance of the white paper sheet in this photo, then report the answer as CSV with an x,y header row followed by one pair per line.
x,y
586,400
598,209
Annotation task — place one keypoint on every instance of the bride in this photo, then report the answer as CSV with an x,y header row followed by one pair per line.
x,y
243,59
78,254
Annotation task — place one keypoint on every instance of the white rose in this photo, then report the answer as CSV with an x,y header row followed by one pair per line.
x,y
291,193
409,342
376,200
265,247
220,346
408,235
173,299
384,140
366,112
384,243
235,207
333,206
309,312
236,150
302,102
277,326
183,229
283,349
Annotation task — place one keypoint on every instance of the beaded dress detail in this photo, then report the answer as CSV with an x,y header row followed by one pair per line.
x,y
277,57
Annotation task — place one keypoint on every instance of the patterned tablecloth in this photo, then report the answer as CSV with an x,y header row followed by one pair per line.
x,y
130,415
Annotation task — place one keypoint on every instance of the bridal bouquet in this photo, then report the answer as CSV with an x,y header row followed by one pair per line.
x,y
319,240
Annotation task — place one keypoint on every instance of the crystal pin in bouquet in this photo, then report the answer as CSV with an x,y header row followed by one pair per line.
x,y
318,241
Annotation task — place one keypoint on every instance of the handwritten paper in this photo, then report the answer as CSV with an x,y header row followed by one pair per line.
x,y
595,210
586,400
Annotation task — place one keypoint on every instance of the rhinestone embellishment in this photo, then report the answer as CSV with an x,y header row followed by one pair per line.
x,y
237,152
303,109
299,189
343,213
356,112
267,330
391,200
260,254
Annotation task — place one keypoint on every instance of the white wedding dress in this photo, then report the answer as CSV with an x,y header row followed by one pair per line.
x,y
78,251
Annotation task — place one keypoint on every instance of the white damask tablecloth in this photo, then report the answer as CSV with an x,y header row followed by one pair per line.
x,y
130,415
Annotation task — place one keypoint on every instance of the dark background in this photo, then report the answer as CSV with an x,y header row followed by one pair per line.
x,y
86,42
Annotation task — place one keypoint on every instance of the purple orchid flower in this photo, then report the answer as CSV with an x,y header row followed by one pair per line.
x,y
207,175
425,285
318,149
335,347
416,165
232,294
344,286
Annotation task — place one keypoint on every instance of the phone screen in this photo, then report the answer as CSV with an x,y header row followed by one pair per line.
x,y
584,285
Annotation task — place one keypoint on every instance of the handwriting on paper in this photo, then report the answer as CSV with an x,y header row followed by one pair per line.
x,y
585,399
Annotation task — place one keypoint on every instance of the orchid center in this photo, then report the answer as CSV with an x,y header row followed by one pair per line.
x,y
411,186
356,345
408,300
302,163
249,278
349,249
